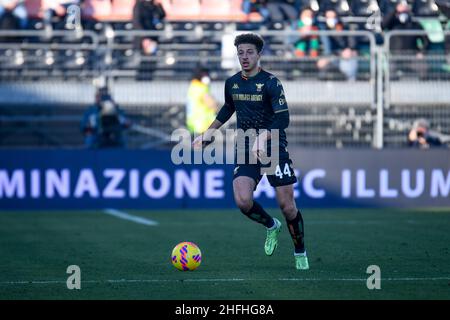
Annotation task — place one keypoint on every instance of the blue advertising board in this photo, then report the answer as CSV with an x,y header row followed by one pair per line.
x,y
148,179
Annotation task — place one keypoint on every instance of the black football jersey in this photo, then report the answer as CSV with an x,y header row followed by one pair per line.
x,y
256,100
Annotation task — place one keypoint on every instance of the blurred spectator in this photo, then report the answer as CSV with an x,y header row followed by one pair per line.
x,y
339,54
307,44
425,8
260,6
104,123
147,15
366,8
281,11
55,12
401,19
420,136
201,107
15,14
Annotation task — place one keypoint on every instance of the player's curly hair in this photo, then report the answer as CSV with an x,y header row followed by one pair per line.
x,y
251,38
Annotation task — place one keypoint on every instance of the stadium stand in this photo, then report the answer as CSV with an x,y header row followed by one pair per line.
x,y
183,9
122,9
51,76
364,8
100,10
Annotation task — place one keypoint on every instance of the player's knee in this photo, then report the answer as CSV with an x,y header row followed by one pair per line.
x,y
244,204
288,208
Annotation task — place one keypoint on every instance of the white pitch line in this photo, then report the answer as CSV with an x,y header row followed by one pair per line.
x,y
221,280
365,279
130,217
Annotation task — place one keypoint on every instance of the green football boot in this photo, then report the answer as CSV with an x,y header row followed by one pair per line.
x,y
301,261
272,238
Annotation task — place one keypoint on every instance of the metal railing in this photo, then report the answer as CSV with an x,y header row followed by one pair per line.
x,y
28,55
416,84
61,68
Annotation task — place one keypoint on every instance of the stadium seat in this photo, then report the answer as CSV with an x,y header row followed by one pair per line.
x,y
122,10
342,7
184,10
214,10
203,10
99,10
236,11
255,17
444,7
387,6
425,8
313,4
364,8
219,10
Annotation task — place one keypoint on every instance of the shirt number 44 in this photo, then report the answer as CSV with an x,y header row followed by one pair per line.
x,y
286,171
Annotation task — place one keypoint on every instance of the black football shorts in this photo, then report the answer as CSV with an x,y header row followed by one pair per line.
x,y
282,174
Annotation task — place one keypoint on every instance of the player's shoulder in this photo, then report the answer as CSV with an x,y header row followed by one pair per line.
x,y
233,80
234,77
270,79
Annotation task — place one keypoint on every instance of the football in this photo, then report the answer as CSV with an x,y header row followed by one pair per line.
x,y
186,256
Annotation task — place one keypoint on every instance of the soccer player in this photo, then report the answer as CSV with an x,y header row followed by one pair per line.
x,y
258,99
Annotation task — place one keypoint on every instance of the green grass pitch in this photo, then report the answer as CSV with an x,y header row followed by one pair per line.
x,y
120,259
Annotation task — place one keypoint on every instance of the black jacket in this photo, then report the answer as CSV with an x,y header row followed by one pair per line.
x,y
145,13
404,43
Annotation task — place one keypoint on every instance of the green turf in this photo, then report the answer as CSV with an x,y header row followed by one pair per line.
x,y
411,247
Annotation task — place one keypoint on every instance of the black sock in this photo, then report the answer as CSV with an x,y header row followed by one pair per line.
x,y
297,232
258,214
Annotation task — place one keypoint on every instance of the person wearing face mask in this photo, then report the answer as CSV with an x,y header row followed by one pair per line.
x,y
201,107
307,44
405,45
339,52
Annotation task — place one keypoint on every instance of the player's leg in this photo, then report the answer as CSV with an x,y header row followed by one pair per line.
x,y
294,220
283,179
243,196
243,187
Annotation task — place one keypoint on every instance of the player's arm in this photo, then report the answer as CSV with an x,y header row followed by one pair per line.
x,y
227,109
223,116
210,102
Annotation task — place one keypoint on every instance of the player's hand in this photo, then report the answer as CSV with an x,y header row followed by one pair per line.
x,y
412,136
198,142
259,148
